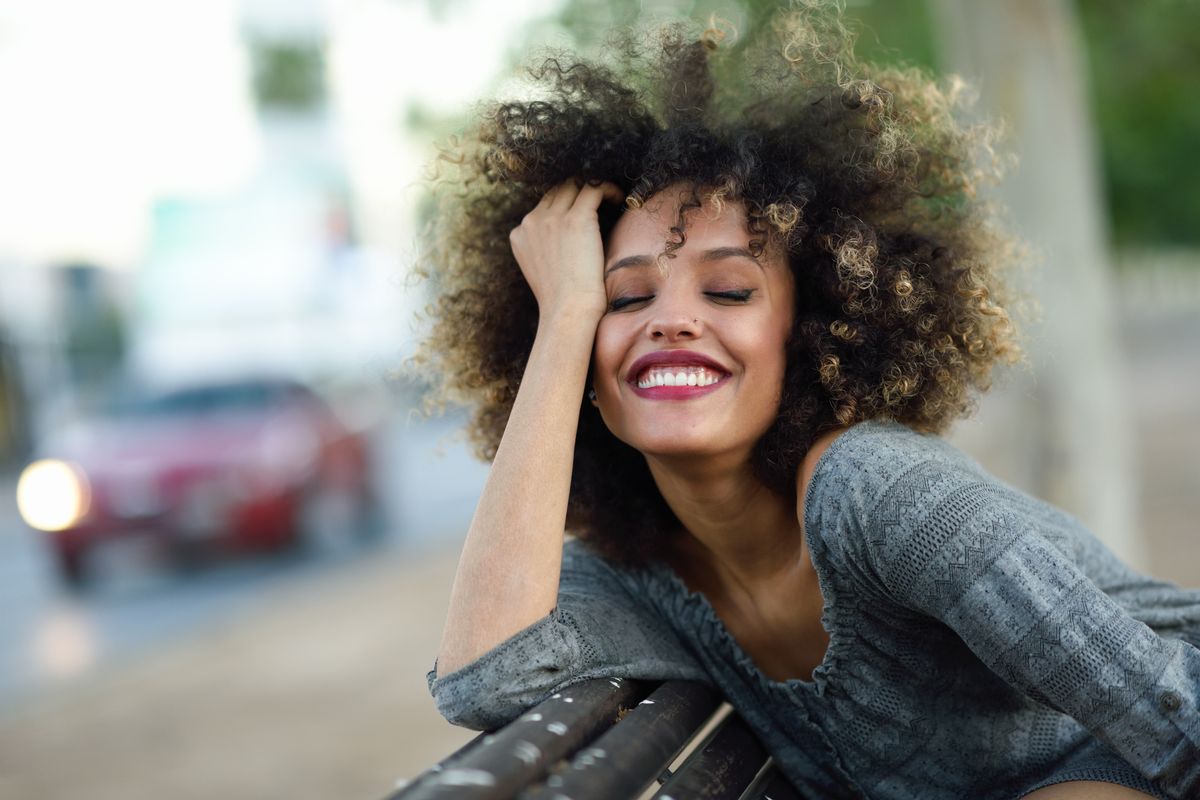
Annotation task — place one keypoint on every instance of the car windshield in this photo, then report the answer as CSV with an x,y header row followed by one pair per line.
x,y
201,400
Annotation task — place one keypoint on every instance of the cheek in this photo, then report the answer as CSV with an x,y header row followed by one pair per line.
x,y
608,348
763,341
607,353
781,333
766,354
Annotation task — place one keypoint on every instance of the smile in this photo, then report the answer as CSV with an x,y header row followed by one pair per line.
x,y
675,375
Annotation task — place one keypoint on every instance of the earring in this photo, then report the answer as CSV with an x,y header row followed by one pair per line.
x,y
591,394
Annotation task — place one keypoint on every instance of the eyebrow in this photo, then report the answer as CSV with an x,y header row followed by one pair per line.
x,y
715,254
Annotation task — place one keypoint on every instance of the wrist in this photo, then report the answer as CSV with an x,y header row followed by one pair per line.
x,y
578,315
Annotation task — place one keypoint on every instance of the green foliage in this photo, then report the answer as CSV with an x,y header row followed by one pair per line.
x,y
895,32
288,75
890,31
1144,62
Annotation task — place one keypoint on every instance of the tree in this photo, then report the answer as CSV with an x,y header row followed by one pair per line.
x,y
1061,430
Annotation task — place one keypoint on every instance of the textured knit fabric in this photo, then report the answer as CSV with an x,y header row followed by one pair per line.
x,y
982,643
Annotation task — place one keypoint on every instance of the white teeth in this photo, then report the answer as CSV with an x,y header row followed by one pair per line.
x,y
689,376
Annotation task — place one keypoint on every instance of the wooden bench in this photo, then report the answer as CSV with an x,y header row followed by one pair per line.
x,y
609,739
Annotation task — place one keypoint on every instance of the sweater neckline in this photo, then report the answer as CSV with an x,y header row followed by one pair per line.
x,y
697,613
696,608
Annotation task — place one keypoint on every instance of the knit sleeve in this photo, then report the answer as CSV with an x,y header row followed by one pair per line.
x,y
598,629
939,537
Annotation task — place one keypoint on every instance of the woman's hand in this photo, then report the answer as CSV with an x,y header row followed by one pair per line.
x,y
558,247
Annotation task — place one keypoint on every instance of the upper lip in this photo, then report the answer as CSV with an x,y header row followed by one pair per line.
x,y
675,358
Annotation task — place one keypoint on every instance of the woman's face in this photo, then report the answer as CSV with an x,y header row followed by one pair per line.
x,y
689,360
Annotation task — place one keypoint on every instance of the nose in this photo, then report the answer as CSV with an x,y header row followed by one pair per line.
x,y
674,320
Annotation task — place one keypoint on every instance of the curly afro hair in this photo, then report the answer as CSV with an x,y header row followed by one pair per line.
x,y
862,175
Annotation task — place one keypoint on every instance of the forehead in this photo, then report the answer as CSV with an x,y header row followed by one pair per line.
x,y
646,230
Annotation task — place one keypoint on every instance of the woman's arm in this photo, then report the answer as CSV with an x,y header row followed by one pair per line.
x,y
943,540
508,574
526,615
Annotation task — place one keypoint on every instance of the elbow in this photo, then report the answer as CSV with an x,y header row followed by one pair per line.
x,y
475,712
484,700
449,662
500,685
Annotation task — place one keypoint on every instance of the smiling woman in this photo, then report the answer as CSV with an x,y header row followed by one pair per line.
x,y
712,306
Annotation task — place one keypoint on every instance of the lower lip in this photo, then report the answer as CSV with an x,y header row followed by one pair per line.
x,y
676,392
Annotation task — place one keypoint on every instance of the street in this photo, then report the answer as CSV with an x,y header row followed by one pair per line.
x,y
50,638
313,689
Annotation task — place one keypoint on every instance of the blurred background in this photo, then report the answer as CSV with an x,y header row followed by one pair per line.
x,y
227,537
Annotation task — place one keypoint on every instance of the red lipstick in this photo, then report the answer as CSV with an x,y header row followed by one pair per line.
x,y
687,361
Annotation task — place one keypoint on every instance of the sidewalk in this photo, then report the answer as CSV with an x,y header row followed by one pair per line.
x,y
320,695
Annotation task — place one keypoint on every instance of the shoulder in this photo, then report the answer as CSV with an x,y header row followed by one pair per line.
x,y
870,461
880,484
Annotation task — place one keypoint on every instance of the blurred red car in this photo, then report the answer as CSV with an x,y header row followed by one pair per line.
x,y
240,465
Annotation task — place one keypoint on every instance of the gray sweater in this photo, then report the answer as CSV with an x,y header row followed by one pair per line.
x,y
982,643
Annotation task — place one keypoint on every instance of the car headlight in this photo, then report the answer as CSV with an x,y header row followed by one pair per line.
x,y
52,495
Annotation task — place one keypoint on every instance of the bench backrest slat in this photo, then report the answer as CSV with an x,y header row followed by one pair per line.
x,y
721,768
631,755
607,739
771,785
500,764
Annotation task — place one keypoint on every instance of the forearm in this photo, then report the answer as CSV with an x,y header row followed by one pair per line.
x,y
508,573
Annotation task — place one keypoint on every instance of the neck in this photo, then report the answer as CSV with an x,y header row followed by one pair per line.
x,y
736,529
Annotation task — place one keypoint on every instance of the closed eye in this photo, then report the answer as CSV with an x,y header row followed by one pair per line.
x,y
623,302
733,296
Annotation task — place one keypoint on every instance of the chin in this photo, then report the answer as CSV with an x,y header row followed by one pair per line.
x,y
672,434
690,443
677,450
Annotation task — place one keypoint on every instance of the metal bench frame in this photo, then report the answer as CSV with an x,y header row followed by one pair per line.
x,y
609,739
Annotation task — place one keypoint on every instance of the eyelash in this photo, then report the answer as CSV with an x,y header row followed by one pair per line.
x,y
734,296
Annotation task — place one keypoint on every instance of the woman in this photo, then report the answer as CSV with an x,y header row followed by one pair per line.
x,y
715,327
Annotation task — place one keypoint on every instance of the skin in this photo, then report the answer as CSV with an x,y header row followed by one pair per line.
x,y
744,547
692,302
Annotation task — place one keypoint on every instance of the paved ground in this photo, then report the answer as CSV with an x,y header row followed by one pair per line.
x,y
1163,379
318,691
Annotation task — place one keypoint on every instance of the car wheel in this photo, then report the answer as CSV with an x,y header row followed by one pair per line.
x,y
188,557
73,571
